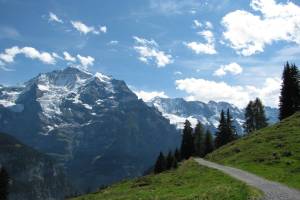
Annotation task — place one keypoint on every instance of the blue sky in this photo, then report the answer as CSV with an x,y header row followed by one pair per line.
x,y
230,50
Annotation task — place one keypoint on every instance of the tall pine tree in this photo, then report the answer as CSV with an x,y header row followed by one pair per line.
x,y
221,139
169,160
4,184
249,125
226,131
230,129
259,115
255,117
208,143
289,101
160,164
199,139
177,155
187,143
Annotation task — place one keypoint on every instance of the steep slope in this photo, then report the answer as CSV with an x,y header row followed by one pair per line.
x,y
177,110
189,181
272,152
93,124
33,175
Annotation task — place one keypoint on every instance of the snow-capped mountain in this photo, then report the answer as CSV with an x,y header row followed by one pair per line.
x,y
177,110
94,125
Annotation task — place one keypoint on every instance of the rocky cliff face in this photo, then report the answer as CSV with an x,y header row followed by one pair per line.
x,y
91,123
178,109
32,174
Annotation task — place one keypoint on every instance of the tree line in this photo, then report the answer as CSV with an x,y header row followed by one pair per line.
x,y
199,142
289,100
4,184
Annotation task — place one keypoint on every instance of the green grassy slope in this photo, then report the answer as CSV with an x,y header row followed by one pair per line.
x,y
189,181
273,152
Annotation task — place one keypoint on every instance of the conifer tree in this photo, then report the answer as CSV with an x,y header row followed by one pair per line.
x,y
175,163
249,125
208,143
255,117
221,135
259,115
169,160
177,155
160,164
4,184
199,139
187,144
289,101
230,129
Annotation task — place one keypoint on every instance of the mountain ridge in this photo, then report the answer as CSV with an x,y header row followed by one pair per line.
x,y
177,110
37,178
87,121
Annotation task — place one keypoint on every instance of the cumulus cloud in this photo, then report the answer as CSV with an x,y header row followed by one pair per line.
x,y
103,29
209,25
204,48
86,61
69,57
9,54
85,29
54,18
148,50
147,96
205,90
279,22
197,24
82,28
232,68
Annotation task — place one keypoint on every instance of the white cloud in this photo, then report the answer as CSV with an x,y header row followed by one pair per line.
x,y
103,29
85,61
177,73
4,68
209,25
197,24
54,18
82,28
85,29
205,90
29,52
69,57
205,48
174,7
148,50
55,55
113,42
232,68
147,96
249,33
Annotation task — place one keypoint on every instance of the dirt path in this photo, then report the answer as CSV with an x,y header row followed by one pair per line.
x,y
272,190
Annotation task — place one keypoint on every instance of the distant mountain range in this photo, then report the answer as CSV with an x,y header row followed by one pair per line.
x,y
96,128
177,110
93,125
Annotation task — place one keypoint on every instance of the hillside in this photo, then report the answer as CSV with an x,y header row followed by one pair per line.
x,y
273,152
189,181
33,174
